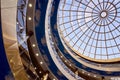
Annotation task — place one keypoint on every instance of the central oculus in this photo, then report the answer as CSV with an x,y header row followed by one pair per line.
x,y
104,14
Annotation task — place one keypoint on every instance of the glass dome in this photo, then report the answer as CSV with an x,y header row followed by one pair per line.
x,y
91,28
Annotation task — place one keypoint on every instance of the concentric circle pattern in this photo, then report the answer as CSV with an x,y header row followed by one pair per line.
x,y
91,28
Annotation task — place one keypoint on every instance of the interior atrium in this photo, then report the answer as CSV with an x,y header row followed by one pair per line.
x,y
60,40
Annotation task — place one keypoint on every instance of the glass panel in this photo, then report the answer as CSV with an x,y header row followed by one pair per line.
x,y
92,27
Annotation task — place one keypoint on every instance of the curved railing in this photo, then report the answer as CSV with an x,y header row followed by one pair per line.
x,y
36,55
60,61
64,69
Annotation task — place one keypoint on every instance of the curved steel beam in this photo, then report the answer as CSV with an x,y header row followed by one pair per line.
x,y
8,17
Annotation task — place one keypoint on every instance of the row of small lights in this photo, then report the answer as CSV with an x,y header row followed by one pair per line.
x,y
66,61
29,18
89,74
33,45
82,71
30,5
40,61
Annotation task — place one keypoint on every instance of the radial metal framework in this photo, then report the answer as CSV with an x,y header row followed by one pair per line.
x,y
91,28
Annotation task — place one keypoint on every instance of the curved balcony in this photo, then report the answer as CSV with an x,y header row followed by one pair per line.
x,y
62,67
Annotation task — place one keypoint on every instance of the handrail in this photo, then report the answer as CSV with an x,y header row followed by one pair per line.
x,y
64,69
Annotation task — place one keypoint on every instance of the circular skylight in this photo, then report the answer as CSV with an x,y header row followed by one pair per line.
x,y
91,28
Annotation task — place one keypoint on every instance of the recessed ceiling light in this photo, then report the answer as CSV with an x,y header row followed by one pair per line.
x,y
29,18
83,72
41,62
30,5
37,54
88,74
33,45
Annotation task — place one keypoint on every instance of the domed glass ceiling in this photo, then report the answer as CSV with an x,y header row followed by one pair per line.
x,y
91,28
